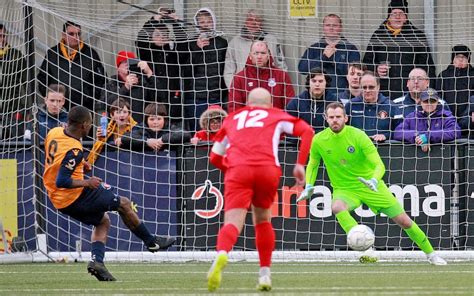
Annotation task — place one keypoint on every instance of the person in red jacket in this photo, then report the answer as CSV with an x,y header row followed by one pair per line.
x,y
260,71
210,122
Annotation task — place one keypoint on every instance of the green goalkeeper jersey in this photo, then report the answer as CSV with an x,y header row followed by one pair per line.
x,y
347,155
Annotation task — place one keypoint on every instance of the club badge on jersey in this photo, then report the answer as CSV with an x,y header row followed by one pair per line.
x,y
271,82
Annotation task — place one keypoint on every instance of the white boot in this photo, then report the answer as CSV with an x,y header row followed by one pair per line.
x,y
435,259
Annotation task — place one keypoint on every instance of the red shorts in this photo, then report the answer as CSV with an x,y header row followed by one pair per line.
x,y
246,185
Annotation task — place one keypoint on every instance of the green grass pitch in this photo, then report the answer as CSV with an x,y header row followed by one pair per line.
x,y
403,278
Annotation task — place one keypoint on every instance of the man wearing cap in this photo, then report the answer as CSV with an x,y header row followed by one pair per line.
x,y
456,82
432,124
397,47
74,64
136,87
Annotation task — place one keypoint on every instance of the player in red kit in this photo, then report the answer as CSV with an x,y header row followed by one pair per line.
x,y
246,149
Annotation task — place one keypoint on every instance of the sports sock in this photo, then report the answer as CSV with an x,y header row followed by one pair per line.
x,y
98,251
142,233
346,220
227,237
419,237
265,243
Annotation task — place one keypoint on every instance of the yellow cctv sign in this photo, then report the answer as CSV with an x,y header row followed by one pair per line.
x,y
302,8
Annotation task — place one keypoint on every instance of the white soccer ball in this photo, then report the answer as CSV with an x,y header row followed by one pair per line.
x,y
360,238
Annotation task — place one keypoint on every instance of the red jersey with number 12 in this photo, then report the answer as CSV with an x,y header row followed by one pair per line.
x,y
251,135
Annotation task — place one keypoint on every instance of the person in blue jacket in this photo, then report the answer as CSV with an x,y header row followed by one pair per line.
x,y
431,124
311,103
373,112
332,53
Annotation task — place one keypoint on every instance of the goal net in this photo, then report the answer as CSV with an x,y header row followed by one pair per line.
x,y
175,190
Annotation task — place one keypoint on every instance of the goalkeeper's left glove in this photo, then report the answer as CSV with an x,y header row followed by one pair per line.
x,y
371,183
307,193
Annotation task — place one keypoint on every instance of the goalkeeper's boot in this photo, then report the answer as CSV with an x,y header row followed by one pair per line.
x,y
161,243
99,270
264,283
435,259
214,276
368,256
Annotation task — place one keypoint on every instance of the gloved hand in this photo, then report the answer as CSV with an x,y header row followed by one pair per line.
x,y
307,193
371,183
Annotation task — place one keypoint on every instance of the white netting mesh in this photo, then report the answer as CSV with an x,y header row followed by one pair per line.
x,y
434,188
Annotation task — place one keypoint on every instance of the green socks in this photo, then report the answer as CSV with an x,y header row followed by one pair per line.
x,y
346,221
419,237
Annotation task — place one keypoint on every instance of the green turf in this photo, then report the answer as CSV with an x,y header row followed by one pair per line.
x,y
403,278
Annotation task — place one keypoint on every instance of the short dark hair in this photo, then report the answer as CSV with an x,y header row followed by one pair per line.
x,y
57,88
155,109
203,13
333,15
118,104
78,115
335,105
68,24
317,71
358,66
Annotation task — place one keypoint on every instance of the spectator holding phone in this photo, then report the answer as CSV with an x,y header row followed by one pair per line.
x,y
133,82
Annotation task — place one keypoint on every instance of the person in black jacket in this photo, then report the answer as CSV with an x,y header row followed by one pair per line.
x,y
134,82
456,82
75,65
397,47
155,133
165,57
204,83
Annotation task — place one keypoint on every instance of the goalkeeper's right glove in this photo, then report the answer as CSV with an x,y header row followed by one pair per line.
x,y
371,183
307,193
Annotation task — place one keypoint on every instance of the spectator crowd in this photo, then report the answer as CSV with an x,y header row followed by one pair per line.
x,y
181,82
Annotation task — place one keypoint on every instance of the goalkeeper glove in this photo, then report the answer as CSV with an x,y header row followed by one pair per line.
x,y
371,183
307,193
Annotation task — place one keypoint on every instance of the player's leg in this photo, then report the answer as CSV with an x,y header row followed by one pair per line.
x,y
419,237
131,220
238,194
96,266
265,188
233,222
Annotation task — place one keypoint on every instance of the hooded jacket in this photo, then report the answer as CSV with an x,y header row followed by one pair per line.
x,y
456,86
273,79
239,49
204,77
311,111
439,127
213,111
407,50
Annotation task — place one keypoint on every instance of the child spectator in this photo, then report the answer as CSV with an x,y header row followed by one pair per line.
x,y
52,114
210,122
155,133
432,124
121,122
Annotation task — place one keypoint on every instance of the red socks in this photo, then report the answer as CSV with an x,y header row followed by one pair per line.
x,y
265,242
227,238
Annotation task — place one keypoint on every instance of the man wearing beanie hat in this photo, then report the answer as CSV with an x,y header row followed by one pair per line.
x,y
136,88
456,82
396,48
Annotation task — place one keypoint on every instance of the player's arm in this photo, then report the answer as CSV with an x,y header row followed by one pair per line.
x,y
313,164
217,156
68,165
305,132
372,157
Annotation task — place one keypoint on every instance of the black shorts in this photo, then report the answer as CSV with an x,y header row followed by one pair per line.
x,y
90,207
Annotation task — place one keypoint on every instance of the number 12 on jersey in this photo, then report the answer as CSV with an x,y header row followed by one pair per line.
x,y
250,118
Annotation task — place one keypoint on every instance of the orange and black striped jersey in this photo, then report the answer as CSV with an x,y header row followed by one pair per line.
x,y
64,162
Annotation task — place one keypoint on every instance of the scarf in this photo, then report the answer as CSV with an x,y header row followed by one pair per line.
x,y
3,51
65,51
394,32
112,130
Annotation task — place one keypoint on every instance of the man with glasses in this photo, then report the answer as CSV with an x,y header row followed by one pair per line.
x,y
397,47
75,65
418,81
332,53
373,112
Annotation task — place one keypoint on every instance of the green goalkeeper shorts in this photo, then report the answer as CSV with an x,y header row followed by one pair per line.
x,y
381,201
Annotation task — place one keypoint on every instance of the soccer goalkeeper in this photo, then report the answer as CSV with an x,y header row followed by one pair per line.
x,y
355,171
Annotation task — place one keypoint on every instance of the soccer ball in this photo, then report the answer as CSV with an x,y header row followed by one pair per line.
x,y
360,238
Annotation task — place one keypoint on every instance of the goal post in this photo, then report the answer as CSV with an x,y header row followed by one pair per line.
x,y
176,191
